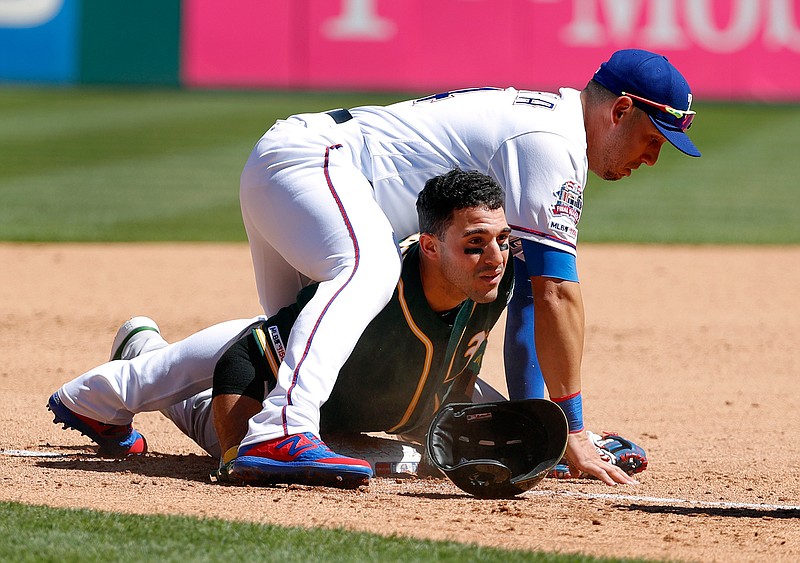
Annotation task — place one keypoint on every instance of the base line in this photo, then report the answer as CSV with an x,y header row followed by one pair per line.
x,y
32,453
667,500
599,496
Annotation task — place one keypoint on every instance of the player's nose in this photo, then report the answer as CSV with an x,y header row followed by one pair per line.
x,y
493,254
650,156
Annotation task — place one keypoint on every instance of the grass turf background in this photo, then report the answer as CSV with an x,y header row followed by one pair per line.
x,y
147,165
36,533
152,165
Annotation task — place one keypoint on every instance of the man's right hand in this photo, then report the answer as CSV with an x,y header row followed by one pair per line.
x,y
582,456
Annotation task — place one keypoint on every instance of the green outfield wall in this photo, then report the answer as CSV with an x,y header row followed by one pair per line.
x,y
130,42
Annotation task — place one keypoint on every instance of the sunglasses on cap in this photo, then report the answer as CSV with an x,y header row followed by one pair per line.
x,y
683,117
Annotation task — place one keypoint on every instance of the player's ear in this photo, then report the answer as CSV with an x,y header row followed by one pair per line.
x,y
622,105
428,245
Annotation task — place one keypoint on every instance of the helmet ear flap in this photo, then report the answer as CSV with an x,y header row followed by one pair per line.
x,y
497,450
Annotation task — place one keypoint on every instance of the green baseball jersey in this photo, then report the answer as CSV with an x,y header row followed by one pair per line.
x,y
407,364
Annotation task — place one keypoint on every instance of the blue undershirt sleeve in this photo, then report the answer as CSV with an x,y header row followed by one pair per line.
x,y
543,260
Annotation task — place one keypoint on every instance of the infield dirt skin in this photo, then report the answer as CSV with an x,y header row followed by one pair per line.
x,y
690,351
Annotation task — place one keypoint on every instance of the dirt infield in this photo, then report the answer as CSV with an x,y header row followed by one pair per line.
x,y
692,352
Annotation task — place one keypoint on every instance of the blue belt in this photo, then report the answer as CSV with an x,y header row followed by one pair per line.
x,y
340,115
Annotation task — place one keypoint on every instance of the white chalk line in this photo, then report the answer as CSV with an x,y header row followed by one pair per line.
x,y
600,496
668,500
32,453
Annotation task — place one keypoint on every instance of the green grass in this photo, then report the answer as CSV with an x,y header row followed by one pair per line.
x,y
116,165
743,190
36,533
131,165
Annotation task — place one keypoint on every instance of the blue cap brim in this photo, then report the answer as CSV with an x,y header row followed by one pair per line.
x,y
678,139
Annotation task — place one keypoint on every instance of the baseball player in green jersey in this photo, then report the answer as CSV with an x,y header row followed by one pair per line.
x,y
415,357
424,349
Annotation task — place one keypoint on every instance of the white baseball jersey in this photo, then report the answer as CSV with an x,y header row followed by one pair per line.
x,y
532,143
325,198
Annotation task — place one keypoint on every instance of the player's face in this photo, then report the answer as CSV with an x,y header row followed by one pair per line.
x,y
631,142
472,256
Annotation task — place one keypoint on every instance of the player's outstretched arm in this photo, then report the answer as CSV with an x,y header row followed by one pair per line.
x,y
559,322
559,333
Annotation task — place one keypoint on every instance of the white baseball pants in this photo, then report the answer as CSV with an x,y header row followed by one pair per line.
x,y
175,379
310,214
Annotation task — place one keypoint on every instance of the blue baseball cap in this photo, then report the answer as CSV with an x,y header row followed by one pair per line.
x,y
657,88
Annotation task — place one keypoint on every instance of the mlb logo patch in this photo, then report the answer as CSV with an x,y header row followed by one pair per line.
x,y
569,201
277,342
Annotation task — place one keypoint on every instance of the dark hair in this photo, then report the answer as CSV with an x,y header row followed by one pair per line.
x,y
457,189
597,93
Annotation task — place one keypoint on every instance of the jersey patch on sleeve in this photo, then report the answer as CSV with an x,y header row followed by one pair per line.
x,y
569,201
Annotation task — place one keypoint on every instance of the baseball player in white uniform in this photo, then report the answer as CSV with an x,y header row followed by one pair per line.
x,y
325,197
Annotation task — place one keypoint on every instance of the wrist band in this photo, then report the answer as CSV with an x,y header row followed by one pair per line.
x,y
572,405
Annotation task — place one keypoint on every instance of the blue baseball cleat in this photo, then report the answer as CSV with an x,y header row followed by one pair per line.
x,y
298,458
117,441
